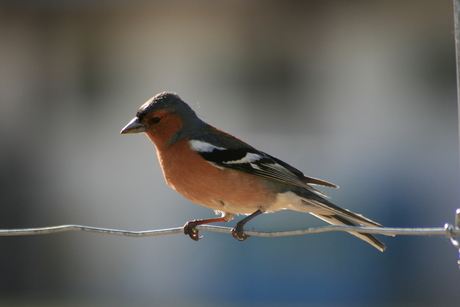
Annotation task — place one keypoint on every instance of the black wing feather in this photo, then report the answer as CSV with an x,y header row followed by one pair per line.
x,y
265,166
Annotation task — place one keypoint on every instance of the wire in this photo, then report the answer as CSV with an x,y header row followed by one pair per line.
x,y
457,63
450,231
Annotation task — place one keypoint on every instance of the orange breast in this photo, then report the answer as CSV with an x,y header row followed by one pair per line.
x,y
219,189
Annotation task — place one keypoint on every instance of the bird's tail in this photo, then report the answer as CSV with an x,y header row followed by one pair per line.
x,y
328,212
335,219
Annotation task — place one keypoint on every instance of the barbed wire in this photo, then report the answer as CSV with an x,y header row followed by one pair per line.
x,y
450,231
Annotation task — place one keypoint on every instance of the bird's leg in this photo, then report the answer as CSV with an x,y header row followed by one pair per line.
x,y
237,232
189,227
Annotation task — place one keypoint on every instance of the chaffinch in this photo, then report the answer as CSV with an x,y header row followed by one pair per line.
x,y
219,171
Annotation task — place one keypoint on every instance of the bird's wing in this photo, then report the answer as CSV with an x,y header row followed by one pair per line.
x,y
225,151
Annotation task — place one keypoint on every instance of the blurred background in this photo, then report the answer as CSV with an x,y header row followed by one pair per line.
x,y
359,93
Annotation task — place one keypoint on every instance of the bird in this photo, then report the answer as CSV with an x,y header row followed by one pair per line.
x,y
219,171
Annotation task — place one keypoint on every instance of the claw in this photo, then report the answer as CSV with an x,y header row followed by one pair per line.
x,y
238,233
189,229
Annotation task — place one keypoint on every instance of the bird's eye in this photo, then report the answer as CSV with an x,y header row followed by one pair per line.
x,y
154,120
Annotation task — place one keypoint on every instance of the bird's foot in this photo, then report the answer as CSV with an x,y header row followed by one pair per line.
x,y
238,233
189,229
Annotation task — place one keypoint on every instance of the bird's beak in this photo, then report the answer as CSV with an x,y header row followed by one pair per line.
x,y
134,126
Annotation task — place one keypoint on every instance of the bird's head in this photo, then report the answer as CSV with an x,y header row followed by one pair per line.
x,y
165,118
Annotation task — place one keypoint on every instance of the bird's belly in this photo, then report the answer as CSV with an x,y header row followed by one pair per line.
x,y
219,189
226,191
